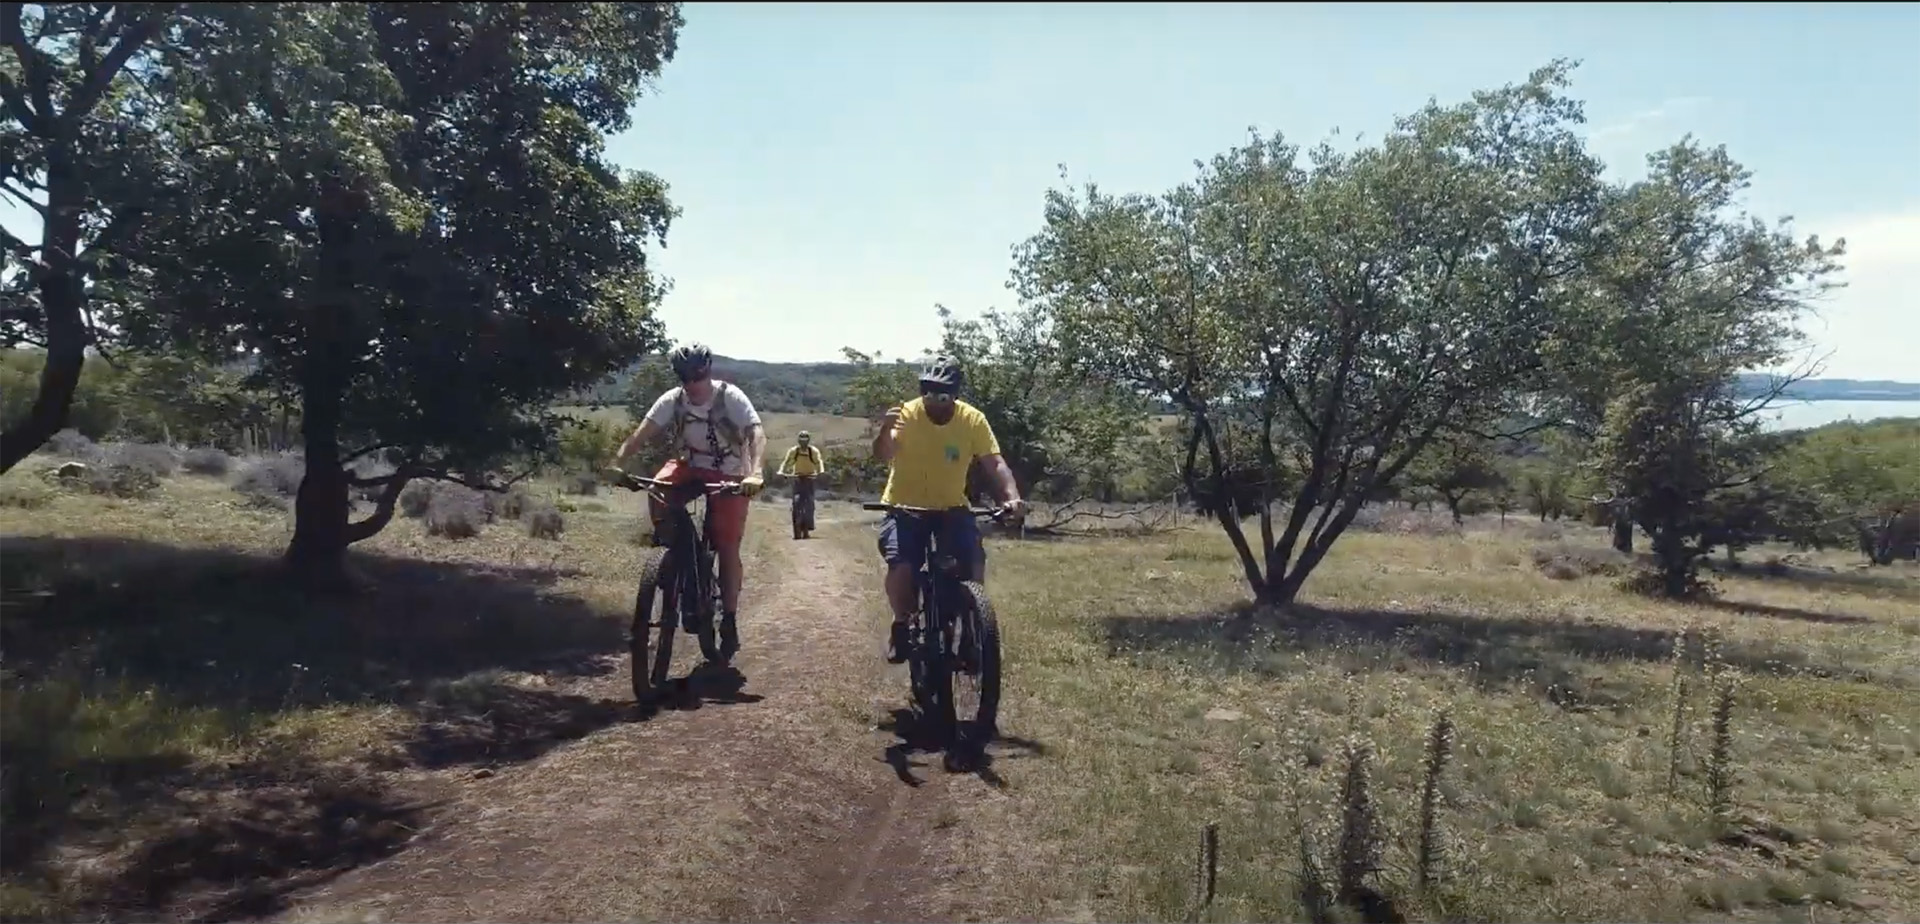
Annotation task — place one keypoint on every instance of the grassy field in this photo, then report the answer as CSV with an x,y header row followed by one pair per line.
x,y
178,721
174,717
827,429
1161,703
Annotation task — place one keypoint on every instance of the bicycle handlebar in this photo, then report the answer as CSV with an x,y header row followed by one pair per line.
x,y
634,482
993,512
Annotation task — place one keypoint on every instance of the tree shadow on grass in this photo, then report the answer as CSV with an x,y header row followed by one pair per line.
x,y
129,663
1561,660
1793,613
1894,582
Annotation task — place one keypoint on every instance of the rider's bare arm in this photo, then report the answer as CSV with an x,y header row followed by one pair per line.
x,y
756,449
884,436
643,434
996,465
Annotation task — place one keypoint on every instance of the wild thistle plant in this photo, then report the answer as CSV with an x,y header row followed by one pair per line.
x,y
1439,749
1360,830
1677,735
1720,772
1315,900
1206,873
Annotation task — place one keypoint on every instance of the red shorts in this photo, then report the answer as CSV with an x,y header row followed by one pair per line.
x,y
726,513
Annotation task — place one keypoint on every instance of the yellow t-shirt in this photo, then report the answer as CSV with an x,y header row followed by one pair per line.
x,y
803,462
930,460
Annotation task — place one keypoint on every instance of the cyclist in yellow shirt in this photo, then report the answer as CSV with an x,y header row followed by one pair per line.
x,y
803,464
929,444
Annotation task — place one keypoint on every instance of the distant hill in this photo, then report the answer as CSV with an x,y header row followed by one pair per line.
x,y
792,388
1836,389
820,388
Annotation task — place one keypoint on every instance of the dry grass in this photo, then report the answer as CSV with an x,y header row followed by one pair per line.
x,y
1158,703
183,732
179,728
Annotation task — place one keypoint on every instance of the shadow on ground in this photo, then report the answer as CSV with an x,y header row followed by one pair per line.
x,y
1559,659
128,663
915,735
1899,581
707,684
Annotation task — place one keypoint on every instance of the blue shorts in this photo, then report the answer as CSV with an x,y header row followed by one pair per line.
x,y
903,538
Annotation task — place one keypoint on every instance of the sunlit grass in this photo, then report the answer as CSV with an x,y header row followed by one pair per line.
x,y
1163,703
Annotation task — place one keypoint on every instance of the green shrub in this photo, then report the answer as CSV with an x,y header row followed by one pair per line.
x,y
207,461
455,512
545,523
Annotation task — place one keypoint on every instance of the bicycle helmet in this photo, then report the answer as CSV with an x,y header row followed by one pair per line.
x,y
944,373
805,436
689,360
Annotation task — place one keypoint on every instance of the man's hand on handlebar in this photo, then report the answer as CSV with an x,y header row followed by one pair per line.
x,y
1013,511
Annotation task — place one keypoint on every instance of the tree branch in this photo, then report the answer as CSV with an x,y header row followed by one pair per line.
x,y
356,454
382,509
15,37
132,37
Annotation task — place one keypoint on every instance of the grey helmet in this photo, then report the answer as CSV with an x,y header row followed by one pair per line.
x,y
943,372
689,360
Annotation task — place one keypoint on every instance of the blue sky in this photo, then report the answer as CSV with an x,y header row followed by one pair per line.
x,y
844,167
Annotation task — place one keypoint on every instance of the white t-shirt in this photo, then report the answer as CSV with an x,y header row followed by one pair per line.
x,y
724,451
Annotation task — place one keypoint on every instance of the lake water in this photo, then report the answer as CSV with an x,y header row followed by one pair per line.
x,y
1801,414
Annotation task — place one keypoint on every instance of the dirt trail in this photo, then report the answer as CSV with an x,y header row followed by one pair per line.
x,y
773,800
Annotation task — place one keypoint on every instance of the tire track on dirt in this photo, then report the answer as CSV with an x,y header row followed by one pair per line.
x,y
774,803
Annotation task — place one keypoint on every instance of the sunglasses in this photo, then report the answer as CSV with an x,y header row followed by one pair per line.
x,y
942,394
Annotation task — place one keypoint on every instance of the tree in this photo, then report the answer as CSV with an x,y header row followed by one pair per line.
x,y
1351,309
1856,482
79,147
1455,468
1685,293
652,377
876,385
403,212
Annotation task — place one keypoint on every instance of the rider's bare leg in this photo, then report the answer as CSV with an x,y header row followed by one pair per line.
x,y
900,591
729,578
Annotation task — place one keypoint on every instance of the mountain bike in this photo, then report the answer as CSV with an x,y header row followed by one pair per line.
x,y
954,642
802,506
683,574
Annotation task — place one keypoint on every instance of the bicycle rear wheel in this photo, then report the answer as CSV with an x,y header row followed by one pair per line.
x,y
973,680
653,613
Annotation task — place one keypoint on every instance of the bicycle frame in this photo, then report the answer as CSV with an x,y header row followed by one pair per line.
x,y
689,557
801,507
938,579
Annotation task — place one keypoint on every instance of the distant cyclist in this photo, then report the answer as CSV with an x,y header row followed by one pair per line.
x,y
803,464
716,437
929,444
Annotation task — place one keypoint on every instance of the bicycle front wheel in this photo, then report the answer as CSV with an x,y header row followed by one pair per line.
x,y
653,616
973,678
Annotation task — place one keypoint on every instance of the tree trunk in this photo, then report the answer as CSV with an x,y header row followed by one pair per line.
x,y
1279,592
60,288
1673,559
318,552
1622,524
320,530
